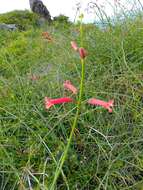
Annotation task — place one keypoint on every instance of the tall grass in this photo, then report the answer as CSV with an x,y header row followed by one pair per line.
x,y
106,151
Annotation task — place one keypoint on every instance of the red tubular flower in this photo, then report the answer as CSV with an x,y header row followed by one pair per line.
x,y
69,86
47,36
82,53
106,105
34,77
50,102
74,45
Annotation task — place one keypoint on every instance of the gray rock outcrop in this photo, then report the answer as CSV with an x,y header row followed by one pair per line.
x,y
38,7
4,26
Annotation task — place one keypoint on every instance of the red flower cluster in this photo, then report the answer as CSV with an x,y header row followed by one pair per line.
x,y
70,87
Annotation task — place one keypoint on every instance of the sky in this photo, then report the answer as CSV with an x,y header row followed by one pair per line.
x,y
68,7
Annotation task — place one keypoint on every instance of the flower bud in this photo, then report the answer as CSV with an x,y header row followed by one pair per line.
x,y
82,53
74,45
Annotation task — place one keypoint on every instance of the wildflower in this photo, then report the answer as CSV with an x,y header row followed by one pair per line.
x,y
47,36
50,102
34,77
82,53
106,105
69,86
74,45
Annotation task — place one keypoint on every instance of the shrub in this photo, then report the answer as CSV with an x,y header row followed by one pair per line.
x,y
61,21
22,19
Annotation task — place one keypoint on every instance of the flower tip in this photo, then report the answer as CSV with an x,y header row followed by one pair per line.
x,y
91,100
111,103
110,110
74,45
48,103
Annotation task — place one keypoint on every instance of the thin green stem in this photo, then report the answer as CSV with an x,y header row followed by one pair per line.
x,y
63,157
81,33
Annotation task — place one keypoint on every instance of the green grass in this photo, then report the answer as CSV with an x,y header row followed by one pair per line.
x,y
107,149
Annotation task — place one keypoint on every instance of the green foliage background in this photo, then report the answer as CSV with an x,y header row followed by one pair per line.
x,y
107,149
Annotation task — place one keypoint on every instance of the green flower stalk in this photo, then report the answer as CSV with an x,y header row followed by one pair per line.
x,y
82,53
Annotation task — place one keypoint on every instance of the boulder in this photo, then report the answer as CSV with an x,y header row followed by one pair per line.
x,y
4,26
39,8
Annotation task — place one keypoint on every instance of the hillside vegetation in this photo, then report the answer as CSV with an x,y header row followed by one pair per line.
x,y
106,152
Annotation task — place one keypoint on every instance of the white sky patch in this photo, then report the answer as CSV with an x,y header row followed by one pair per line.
x,y
68,7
